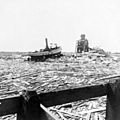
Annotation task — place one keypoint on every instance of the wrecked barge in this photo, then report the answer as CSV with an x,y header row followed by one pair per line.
x,y
43,54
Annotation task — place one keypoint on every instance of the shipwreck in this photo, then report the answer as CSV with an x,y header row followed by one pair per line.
x,y
43,54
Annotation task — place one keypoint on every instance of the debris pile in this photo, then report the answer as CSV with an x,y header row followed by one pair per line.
x,y
99,51
58,74
92,109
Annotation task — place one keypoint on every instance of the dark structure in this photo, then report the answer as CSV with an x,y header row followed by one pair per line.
x,y
82,44
33,106
46,41
46,53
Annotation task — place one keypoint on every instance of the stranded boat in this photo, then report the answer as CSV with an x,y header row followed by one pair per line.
x,y
43,54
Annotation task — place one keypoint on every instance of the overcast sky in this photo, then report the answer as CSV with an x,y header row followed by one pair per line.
x,y
24,24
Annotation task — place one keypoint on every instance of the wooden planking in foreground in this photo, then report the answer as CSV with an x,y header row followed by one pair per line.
x,y
71,95
12,105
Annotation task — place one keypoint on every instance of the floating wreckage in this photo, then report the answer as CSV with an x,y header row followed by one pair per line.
x,y
43,54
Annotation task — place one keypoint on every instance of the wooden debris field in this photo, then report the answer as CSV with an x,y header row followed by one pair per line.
x,y
60,74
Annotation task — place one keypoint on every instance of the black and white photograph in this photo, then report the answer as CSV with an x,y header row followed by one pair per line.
x,y
59,60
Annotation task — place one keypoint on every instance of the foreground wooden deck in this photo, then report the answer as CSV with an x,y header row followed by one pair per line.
x,y
33,106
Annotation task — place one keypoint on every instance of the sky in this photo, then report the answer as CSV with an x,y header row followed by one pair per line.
x,y
24,24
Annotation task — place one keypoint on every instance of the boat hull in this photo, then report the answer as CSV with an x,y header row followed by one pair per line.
x,y
42,56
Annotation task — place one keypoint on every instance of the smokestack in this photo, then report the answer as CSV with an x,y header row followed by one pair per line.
x,y
46,41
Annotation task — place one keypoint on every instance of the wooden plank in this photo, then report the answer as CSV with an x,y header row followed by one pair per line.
x,y
71,95
30,108
9,105
48,114
13,105
113,101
